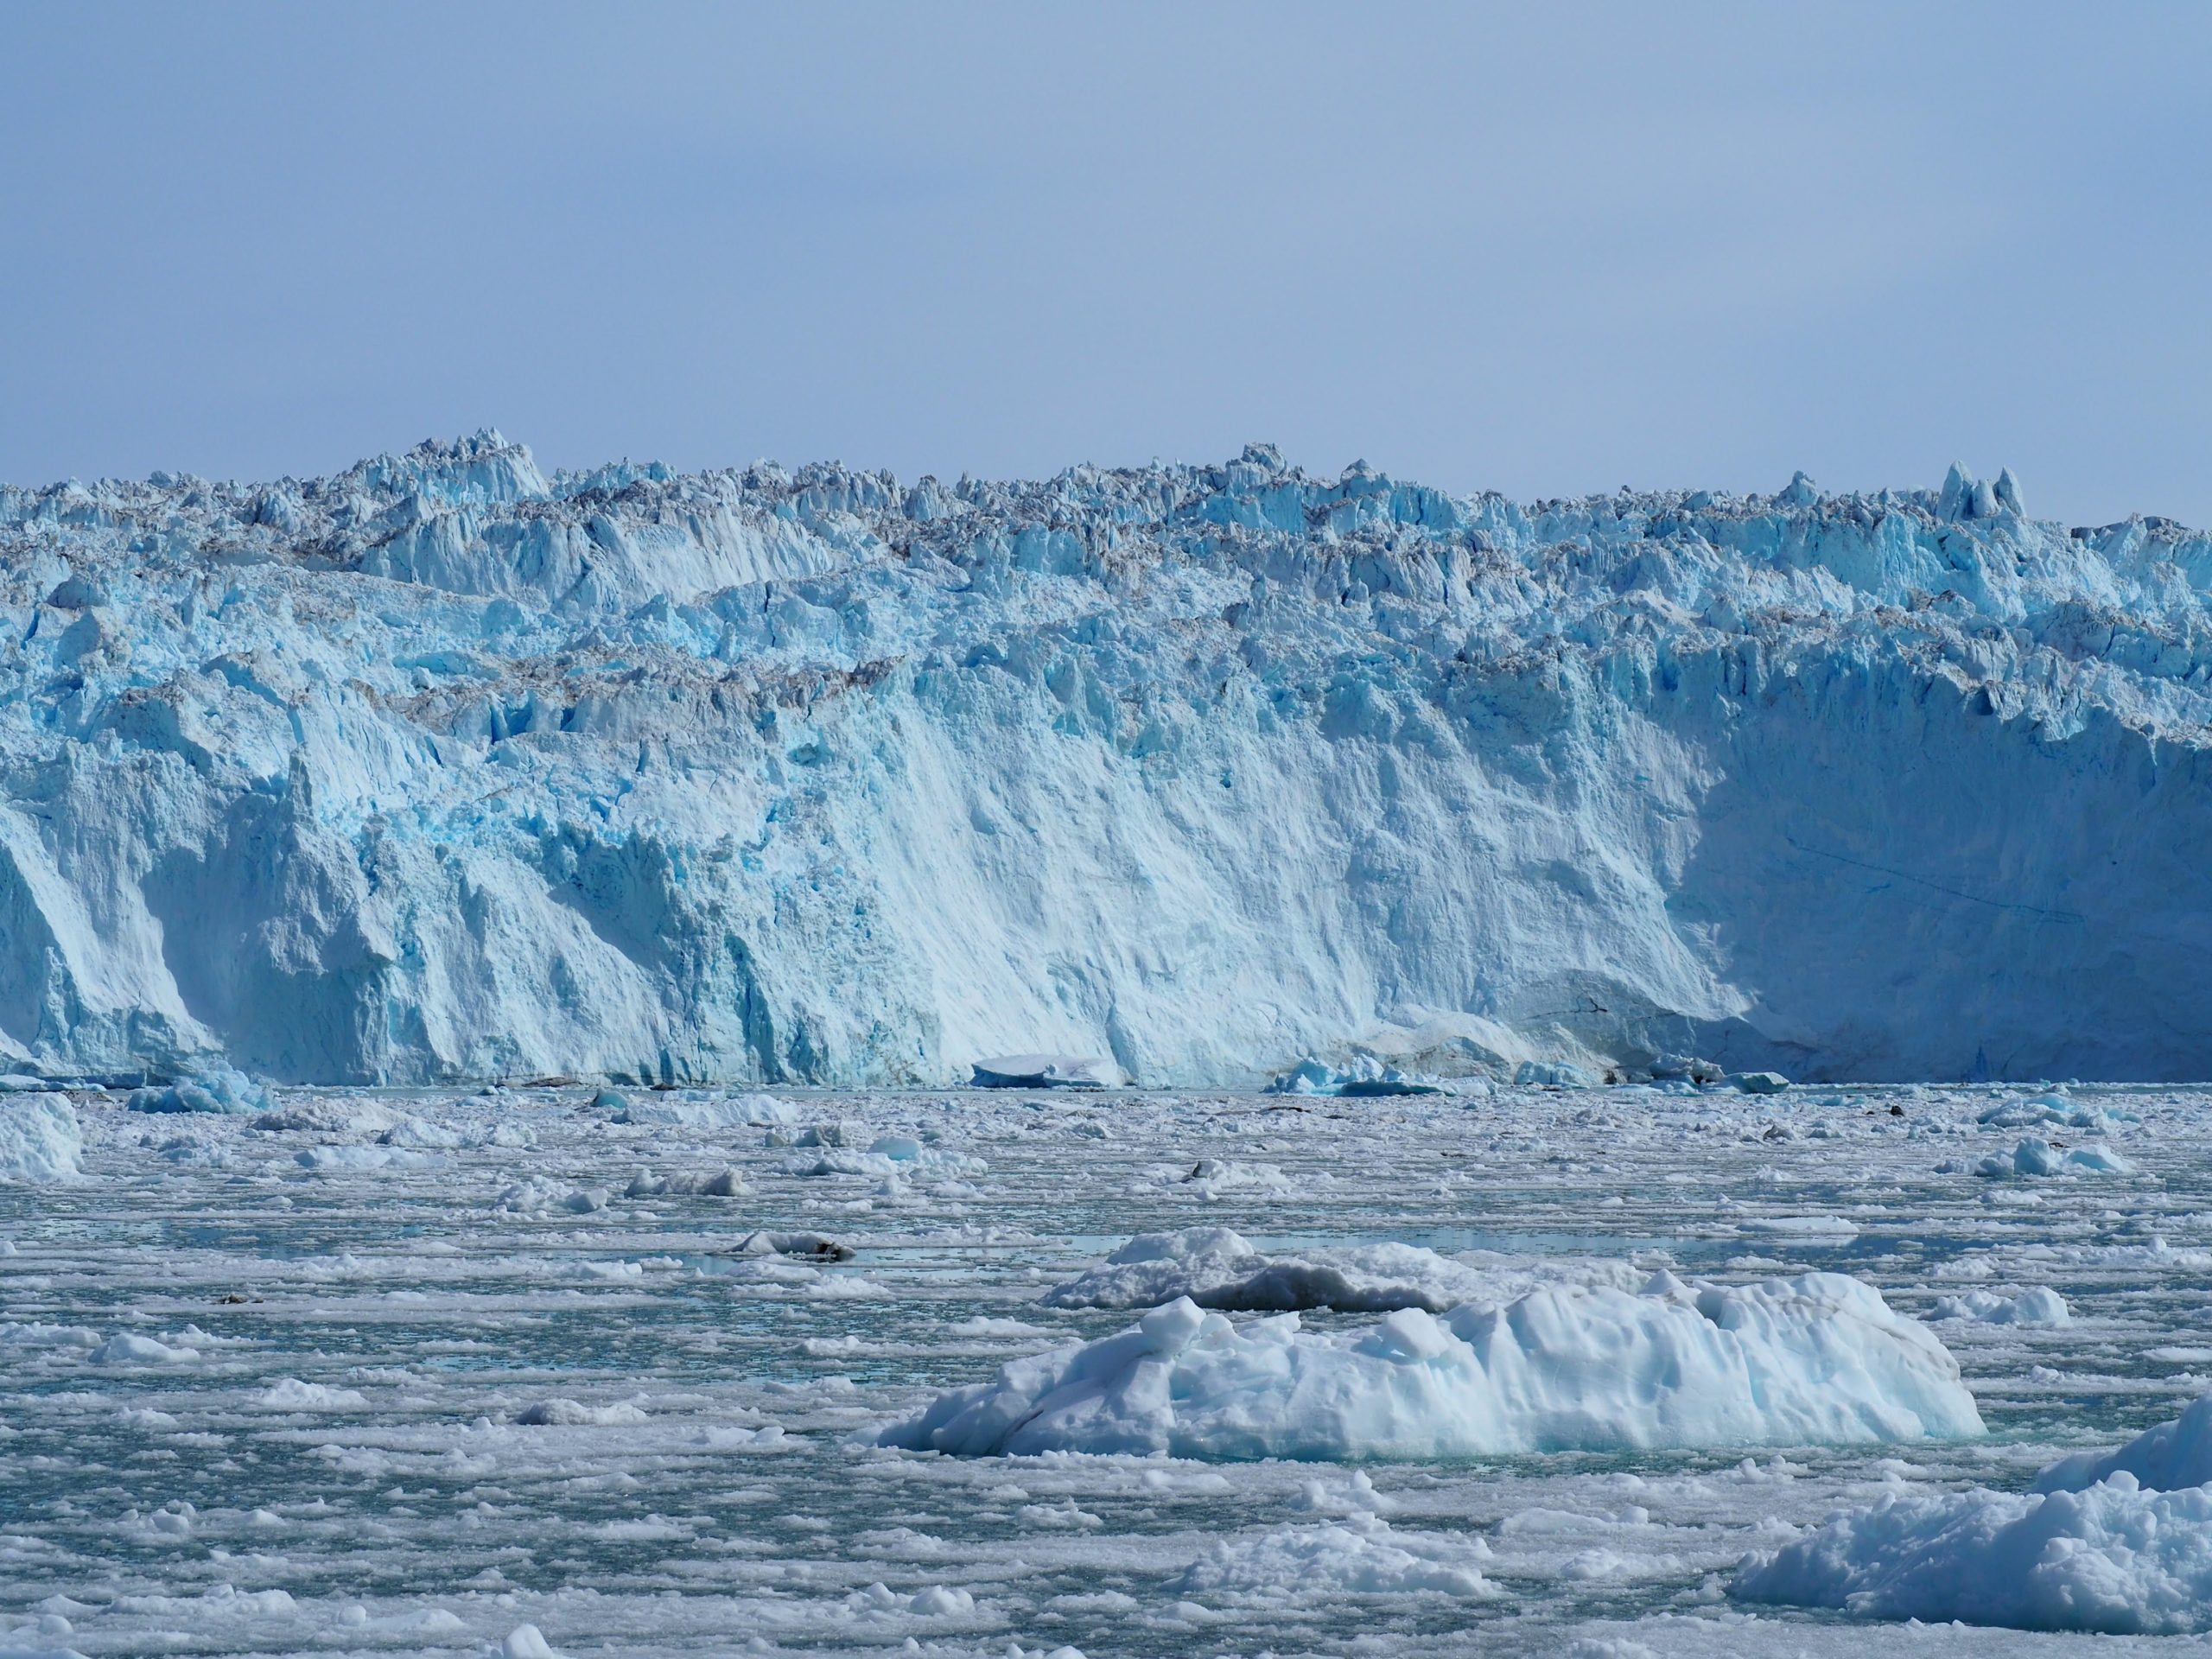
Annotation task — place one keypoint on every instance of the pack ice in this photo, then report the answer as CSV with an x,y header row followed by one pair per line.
x,y
442,767
1816,1359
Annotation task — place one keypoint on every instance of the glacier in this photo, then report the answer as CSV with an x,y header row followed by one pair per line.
x,y
443,768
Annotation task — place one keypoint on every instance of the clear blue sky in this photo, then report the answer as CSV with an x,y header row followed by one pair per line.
x,y
1546,249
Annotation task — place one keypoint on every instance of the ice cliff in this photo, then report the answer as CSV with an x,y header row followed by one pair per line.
x,y
441,767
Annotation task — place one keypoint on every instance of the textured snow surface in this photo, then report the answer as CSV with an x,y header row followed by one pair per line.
x,y
254,1404
440,767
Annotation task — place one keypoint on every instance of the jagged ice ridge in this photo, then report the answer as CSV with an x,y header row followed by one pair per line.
x,y
443,768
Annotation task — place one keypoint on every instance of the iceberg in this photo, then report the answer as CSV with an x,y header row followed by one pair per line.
x,y
2038,1306
1215,1268
2119,1543
1044,1072
1816,1359
445,767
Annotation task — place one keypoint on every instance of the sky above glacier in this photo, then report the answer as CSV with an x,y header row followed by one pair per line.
x,y
1543,250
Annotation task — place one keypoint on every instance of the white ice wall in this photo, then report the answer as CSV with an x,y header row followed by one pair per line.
x,y
441,768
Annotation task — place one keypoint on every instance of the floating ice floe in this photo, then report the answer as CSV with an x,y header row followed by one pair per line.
x,y
290,1394
1816,1359
705,1111
1209,1178
349,1160
905,1157
216,1090
1368,1080
40,1139
1045,1071
573,1414
328,1116
723,1184
1359,1556
813,1247
2037,1306
2035,1157
128,1348
2120,1544
1554,1074
539,1198
1217,1268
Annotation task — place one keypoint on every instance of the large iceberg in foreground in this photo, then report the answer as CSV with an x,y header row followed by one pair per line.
x,y
1816,1359
2119,1543
445,767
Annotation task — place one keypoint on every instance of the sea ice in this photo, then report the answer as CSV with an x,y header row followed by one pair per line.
x,y
1217,1268
1359,1556
1045,1071
40,1139
2037,1305
2035,1157
1816,1359
218,1088
2119,1543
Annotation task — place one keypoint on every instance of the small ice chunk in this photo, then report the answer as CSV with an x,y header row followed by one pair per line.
x,y
2035,1157
1760,1083
573,1414
2035,1307
523,1641
683,1111
1359,1556
289,1393
538,1199
817,1247
215,1089
724,1184
127,1348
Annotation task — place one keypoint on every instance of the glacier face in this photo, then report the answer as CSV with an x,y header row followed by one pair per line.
x,y
443,768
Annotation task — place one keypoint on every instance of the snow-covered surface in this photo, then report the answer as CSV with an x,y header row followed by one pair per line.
x,y
254,1405
441,767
